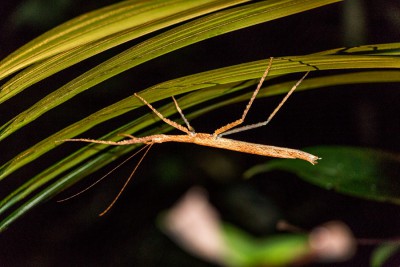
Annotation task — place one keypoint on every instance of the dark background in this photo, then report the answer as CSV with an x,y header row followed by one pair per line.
x,y
71,233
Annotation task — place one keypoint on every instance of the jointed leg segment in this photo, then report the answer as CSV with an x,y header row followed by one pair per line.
x,y
225,128
190,128
166,120
263,123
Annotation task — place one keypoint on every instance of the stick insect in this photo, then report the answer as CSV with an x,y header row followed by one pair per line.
x,y
205,139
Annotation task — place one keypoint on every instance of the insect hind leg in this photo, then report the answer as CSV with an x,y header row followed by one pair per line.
x,y
222,131
263,123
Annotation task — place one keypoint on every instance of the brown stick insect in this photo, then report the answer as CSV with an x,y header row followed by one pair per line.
x,y
212,140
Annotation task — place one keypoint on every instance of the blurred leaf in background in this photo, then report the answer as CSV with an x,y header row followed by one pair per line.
x,y
360,172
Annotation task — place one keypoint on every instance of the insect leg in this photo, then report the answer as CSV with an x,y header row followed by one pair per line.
x,y
229,126
263,123
166,120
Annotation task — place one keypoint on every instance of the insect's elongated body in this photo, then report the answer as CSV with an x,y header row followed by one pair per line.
x,y
250,148
205,139
212,140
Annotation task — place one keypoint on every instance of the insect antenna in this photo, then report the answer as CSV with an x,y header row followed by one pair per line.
x,y
128,180
108,173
